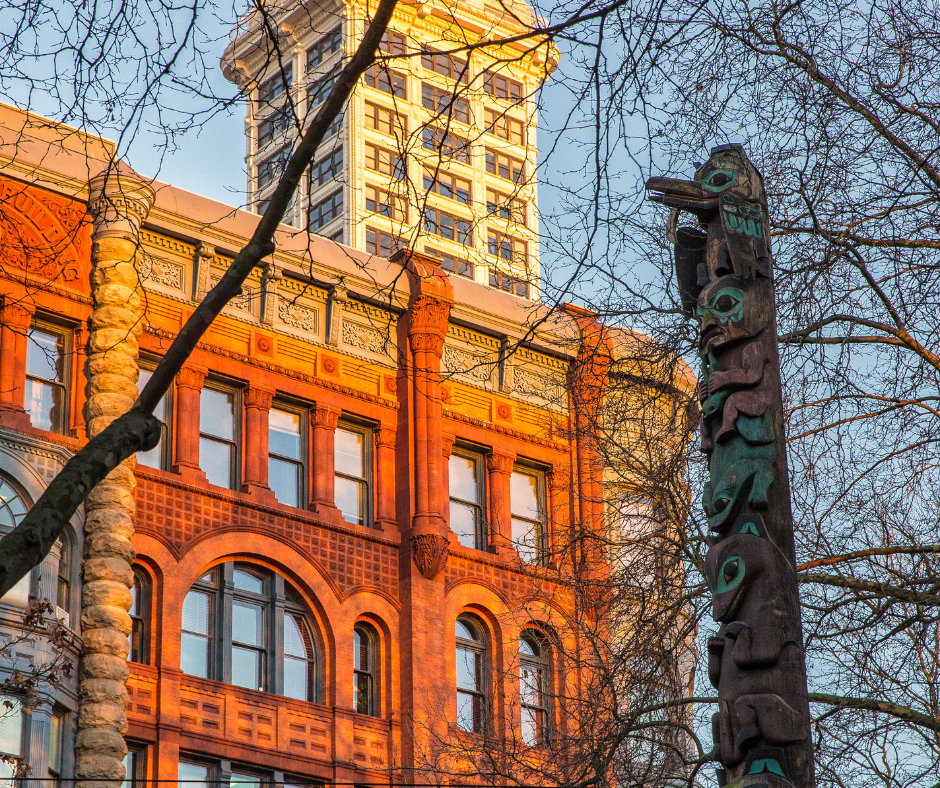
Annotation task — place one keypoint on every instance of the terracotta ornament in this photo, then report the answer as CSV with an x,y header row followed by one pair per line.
x,y
756,660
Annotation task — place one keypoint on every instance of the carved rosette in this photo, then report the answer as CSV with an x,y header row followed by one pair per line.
x,y
430,552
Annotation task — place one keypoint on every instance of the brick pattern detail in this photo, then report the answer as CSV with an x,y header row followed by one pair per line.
x,y
510,584
180,515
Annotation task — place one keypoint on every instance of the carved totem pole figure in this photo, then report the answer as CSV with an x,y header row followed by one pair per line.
x,y
756,661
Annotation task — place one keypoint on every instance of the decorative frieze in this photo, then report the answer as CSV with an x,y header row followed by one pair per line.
x,y
161,272
298,316
470,365
364,338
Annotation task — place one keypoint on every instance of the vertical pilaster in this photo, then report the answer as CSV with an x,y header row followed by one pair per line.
x,y
16,318
384,436
499,470
119,200
258,401
323,423
189,383
447,448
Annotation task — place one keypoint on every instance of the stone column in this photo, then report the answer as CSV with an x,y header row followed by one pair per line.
x,y
15,319
385,477
323,423
258,402
189,382
499,470
119,200
447,448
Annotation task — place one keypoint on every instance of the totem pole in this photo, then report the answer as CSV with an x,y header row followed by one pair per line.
x,y
756,661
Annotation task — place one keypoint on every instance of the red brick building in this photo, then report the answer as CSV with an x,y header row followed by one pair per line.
x,y
357,485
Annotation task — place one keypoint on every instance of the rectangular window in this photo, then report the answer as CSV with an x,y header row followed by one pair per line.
x,y
352,460
276,85
243,780
135,766
387,80
450,186
445,65
271,168
385,161
158,456
194,775
386,121
465,470
196,634
320,89
447,146
273,126
505,207
379,243
285,456
503,126
453,264
11,734
380,201
393,43
56,733
325,211
447,226
46,378
337,235
335,127
527,507
444,102
325,48
218,447
505,247
327,168
248,644
511,284
502,87
505,166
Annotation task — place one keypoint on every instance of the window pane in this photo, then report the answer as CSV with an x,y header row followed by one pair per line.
x,y
216,460
464,631
524,495
244,779
362,686
463,523
11,730
143,380
44,354
130,768
350,497
284,480
530,685
247,623
217,414
295,644
468,669
296,675
194,655
466,711
525,539
19,594
193,775
196,607
531,727
55,744
44,404
349,452
247,581
284,433
246,668
463,478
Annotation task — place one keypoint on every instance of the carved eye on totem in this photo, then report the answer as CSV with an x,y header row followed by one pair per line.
x,y
718,181
730,575
724,306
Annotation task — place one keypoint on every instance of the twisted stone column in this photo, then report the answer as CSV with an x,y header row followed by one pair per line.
x,y
118,202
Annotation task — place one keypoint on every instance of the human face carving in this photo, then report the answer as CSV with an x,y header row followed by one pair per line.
x,y
725,314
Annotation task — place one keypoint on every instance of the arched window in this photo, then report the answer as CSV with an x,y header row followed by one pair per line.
x,y
230,618
13,508
471,675
365,646
139,638
533,675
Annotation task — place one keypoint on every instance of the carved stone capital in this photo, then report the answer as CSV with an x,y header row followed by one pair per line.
x,y
500,462
384,437
325,417
447,444
431,343
191,378
430,552
256,397
16,315
119,200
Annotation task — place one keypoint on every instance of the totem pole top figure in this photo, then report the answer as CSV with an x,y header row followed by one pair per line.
x,y
727,196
